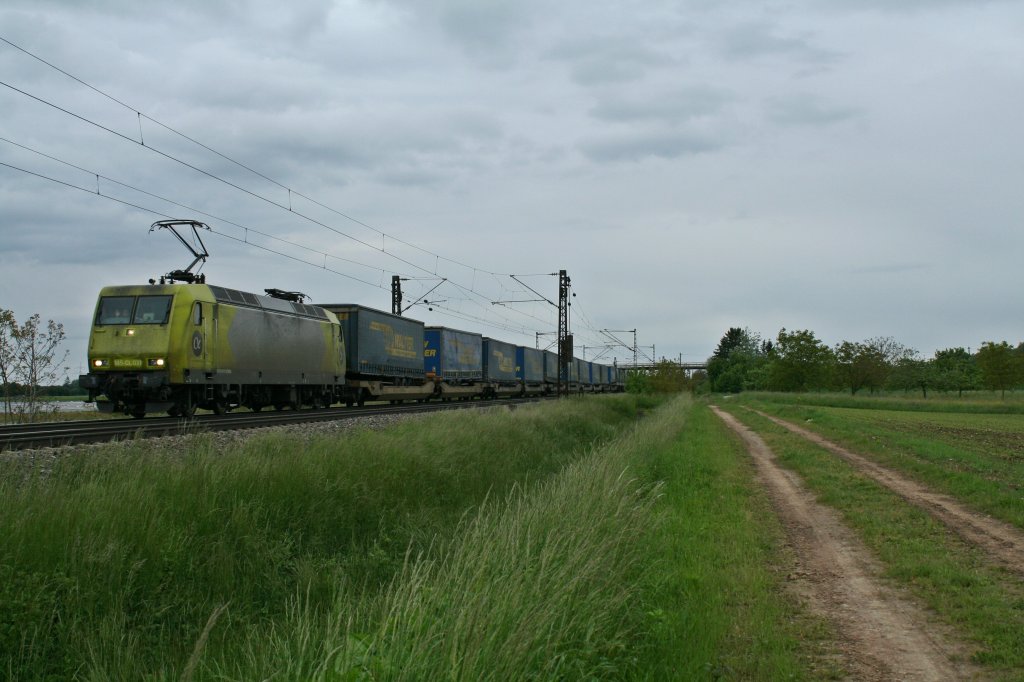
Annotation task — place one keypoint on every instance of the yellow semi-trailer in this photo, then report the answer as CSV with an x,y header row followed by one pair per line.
x,y
176,347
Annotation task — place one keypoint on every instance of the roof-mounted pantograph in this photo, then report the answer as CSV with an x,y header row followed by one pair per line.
x,y
200,252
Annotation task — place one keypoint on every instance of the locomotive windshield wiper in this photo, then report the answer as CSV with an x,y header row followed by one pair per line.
x,y
200,253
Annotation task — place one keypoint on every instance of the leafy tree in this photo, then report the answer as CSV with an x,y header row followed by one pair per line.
x,y
956,370
913,373
868,364
637,382
738,355
734,339
1000,366
29,360
801,361
668,377
699,383
858,366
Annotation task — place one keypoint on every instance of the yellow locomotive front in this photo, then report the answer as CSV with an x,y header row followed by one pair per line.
x,y
135,354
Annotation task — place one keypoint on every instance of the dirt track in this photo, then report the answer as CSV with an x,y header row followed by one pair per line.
x,y
882,636
1002,541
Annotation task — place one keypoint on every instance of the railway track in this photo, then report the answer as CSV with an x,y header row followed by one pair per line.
x,y
54,434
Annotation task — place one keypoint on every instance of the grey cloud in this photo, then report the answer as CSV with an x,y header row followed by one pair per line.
x,y
805,109
411,177
295,21
671,107
890,269
644,145
40,229
759,39
602,60
485,30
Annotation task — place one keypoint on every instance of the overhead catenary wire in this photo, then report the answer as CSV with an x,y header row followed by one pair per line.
x,y
508,323
244,166
141,142
310,219
246,228
453,313
474,297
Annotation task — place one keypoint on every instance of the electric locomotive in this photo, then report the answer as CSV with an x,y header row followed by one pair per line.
x,y
175,347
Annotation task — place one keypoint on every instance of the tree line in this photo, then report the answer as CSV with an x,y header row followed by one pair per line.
x,y
799,361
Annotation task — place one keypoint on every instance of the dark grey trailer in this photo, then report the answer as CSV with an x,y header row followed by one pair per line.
x,y
380,345
499,361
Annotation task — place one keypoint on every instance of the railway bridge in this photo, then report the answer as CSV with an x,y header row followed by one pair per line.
x,y
651,366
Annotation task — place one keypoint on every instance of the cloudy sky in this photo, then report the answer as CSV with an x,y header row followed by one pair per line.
x,y
854,167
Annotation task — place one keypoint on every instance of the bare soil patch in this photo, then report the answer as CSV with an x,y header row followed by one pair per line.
x,y
882,635
1002,541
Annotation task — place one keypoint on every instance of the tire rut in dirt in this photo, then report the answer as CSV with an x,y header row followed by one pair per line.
x,y
1001,541
881,634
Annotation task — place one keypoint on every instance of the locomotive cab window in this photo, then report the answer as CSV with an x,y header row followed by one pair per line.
x,y
115,310
152,310
197,313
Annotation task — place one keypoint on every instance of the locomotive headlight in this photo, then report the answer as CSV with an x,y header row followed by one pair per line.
x,y
156,362
129,332
99,363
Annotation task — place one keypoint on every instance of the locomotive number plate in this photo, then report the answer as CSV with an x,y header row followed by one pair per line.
x,y
127,362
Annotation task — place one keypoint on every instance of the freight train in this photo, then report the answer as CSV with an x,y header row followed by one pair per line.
x,y
176,347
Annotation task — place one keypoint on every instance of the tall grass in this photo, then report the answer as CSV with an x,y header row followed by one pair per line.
x,y
112,565
542,583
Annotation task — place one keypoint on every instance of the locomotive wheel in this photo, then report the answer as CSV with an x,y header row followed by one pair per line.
x,y
256,408
139,412
219,407
183,410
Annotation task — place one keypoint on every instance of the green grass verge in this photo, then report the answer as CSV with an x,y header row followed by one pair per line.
x,y
717,599
112,563
982,602
541,583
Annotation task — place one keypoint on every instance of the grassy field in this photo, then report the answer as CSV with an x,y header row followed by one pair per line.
x,y
598,538
972,402
974,456
977,457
